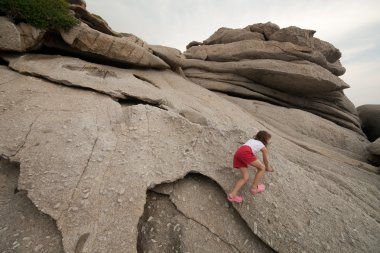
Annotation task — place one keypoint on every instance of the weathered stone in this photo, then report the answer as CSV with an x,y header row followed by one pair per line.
x,y
334,106
22,227
205,202
267,66
295,35
297,77
79,148
151,87
331,53
227,35
79,73
172,231
88,40
370,118
19,38
267,29
310,130
255,49
93,141
79,171
304,37
173,57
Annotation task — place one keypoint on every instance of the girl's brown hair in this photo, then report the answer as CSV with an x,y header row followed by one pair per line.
x,y
263,136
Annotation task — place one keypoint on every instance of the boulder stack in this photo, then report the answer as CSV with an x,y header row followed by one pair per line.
x,y
287,67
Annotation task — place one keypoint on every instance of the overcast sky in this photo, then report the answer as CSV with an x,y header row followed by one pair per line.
x,y
351,26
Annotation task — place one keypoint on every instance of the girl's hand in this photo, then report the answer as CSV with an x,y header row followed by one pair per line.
x,y
269,169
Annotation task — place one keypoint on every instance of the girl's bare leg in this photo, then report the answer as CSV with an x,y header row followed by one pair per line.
x,y
242,181
259,174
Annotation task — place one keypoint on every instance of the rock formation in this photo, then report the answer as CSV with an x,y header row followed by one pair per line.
x,y
370,120
287,67
19,37
128,146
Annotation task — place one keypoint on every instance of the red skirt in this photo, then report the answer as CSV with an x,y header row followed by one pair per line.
x,y
243,157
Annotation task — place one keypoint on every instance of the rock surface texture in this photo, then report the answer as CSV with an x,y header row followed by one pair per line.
x,y
135,154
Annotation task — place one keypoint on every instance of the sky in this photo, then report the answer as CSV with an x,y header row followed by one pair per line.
x,y
351,26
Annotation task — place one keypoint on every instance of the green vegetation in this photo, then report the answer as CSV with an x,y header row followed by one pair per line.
x,y
45,14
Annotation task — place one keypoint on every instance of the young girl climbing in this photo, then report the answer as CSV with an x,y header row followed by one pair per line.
x,y
245,156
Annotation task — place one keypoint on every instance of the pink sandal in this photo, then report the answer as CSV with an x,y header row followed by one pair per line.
x,y
260,188
235,199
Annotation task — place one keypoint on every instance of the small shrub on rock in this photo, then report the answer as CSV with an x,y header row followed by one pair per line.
x,y
44,14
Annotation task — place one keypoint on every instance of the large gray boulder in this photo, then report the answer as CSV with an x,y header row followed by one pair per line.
x,y
227,35
304,37
97,41
334,106
196,224
267,29
87,40
291,69
116,159
295,35
19,38
370,120
295,77
171,56
255,49
78,138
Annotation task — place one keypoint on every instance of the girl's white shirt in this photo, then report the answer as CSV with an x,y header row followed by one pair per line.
x,y
255,145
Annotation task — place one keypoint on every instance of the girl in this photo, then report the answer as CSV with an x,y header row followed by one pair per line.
x,y
245,156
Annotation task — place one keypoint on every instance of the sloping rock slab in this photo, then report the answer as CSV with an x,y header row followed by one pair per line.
x,y
87,161
298,78
78,73
88,40
157,88
334,106
309,128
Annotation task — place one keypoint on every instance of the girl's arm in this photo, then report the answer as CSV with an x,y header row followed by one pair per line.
x,y
266,159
